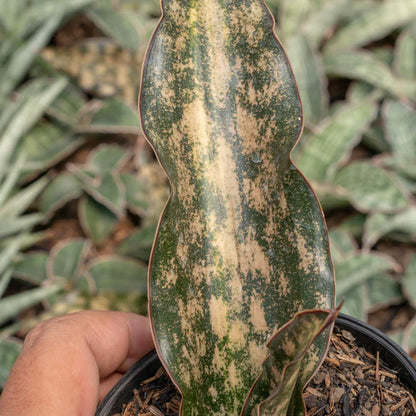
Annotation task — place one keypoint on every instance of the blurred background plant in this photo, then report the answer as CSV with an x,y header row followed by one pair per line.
x,y
81,191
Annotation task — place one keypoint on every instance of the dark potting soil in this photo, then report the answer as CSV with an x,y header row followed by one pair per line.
x,y
350,382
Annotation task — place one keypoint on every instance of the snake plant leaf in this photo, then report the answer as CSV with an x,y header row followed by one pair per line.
x,y
116,25
336,136
370,188
107,158
10,348
358,269
365,66
287,365
117,274
66,258
242,245
310,76
405,53
96,220
63,188
379,225
409,281
400,127
31,267
380,20
139,243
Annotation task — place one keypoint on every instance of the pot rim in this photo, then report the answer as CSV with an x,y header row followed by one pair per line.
x,y
372,338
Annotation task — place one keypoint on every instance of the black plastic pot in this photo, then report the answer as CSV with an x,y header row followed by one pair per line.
x,y
367,336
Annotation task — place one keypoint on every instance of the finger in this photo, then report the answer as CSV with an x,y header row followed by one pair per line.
x,y
107,384
59,369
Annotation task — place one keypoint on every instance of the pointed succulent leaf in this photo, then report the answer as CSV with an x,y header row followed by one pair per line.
x,y
324,152
41,12
139,243
14,70
19,202
96,220
322,20
380,20
116,25
117,274
66,258
358,91
375,139
31,267
14,304
28,115
356,302
10,348
310,76
137,193
12,177
409,337
342,244
292,14
107,158
67,106
358,269
62,189
405,53
46,144
113,117
330,196
370,188
242,245
409,281
9,227
365,66
379,225
400,127
109,192
278,390
383,291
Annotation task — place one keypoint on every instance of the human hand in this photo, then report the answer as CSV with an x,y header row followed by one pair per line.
x,y
69,363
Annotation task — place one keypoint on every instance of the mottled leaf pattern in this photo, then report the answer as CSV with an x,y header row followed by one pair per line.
x,y
242,245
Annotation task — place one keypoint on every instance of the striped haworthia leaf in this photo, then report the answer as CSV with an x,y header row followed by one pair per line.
x,y
242,244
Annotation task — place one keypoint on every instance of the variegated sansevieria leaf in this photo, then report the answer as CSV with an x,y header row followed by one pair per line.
x,y
242,244
288,367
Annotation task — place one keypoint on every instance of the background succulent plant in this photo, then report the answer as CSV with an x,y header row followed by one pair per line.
x,y
355,64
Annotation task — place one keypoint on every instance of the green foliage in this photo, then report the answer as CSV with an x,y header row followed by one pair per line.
x,y
358,148
360,153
